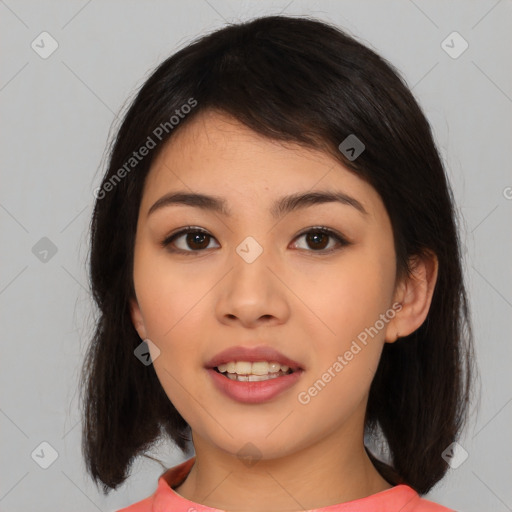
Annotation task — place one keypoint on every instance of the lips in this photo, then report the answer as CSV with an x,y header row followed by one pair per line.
x,y
247,390
253,355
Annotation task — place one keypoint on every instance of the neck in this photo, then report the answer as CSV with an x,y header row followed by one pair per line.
x,y
332,471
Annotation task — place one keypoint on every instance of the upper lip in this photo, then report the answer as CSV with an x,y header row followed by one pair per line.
x,y
252,354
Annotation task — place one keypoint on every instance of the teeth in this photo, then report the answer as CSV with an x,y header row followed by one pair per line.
x,y
243,368
253,378
259,368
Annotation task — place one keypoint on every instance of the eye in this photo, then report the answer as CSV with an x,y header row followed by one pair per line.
x,y
318,239
194,238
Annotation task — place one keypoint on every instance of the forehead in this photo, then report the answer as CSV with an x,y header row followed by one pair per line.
x,y
216,154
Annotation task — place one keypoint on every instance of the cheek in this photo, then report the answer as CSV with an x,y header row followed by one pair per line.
x,y
173,311
348,344
354,295
347,353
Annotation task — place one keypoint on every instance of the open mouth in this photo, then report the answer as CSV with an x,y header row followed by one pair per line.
x,y
251,377
255,381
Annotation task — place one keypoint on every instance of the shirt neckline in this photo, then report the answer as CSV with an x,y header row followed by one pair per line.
x,y
401,496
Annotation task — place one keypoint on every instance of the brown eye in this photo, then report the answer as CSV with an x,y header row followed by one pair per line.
x,y
197,240
188,241
318,240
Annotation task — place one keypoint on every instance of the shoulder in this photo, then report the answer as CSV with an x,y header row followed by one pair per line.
x,y
164,497
415,503
424,505
400,497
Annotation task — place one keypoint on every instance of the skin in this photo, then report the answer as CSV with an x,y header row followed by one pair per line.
x,y
308,304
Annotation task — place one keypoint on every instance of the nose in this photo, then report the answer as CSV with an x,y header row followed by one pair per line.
x,y
252,294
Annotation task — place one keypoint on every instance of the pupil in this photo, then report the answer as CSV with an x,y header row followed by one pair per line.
x,y
314,237
196,238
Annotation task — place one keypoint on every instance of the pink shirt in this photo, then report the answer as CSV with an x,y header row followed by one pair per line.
x,y
165,499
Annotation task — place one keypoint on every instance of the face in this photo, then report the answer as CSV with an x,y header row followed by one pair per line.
x,y
315,282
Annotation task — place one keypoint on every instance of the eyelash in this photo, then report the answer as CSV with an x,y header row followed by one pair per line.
x,y
343,242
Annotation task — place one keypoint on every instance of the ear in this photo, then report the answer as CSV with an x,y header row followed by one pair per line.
x,y
137,319
414,293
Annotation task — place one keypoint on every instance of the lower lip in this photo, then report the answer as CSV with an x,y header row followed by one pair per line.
x,y
253,392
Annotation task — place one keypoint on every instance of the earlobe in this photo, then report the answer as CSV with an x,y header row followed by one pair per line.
x,y
415,294
137,319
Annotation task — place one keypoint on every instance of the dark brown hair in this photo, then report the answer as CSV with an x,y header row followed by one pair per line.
x,y
304,81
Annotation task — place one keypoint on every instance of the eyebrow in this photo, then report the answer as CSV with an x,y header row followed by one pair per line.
x,y
281,206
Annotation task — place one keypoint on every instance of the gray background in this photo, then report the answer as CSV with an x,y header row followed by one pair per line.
x,y
57,114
